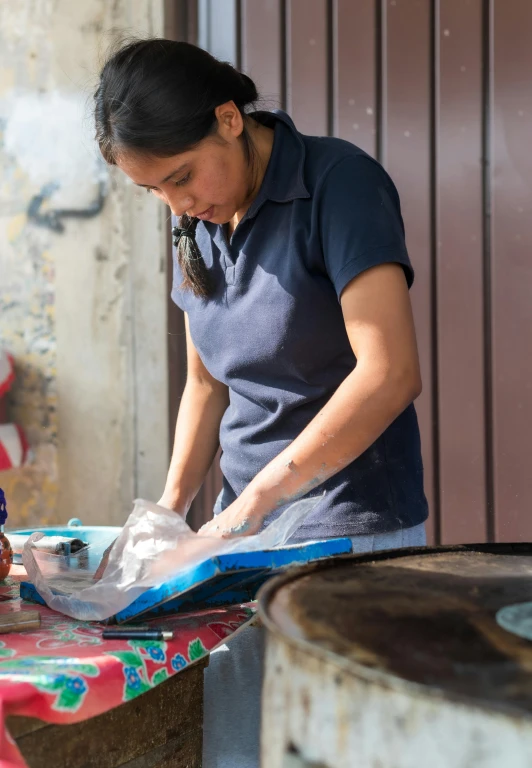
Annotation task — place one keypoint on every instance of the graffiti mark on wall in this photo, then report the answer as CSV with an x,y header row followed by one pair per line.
x,y
49,140
51,219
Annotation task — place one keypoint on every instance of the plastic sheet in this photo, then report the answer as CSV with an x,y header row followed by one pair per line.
x,y
154,545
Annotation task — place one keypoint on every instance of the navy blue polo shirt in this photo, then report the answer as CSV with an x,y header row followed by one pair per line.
x,y
274,333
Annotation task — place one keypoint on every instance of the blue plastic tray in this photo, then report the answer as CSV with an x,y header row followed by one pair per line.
x,y
223,580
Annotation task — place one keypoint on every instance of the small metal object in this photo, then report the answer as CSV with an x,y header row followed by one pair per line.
x,y
54,545
139,633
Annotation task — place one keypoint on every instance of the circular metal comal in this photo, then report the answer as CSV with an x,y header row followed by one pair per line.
x,y
412,636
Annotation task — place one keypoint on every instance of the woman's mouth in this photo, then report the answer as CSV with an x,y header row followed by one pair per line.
x,y
206,215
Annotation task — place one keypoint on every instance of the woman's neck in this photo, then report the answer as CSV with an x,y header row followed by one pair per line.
x,y
261,139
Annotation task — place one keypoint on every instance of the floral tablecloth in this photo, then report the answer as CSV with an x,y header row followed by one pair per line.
x,y
64,672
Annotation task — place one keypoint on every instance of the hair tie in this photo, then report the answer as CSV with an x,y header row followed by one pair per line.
x,y
179,232
191,251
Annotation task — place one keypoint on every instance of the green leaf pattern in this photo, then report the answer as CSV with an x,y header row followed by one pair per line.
x,y
65,678
160,676
6,653
137,678
62,634
196,650
135,670
62,678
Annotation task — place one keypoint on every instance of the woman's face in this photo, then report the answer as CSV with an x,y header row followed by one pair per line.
x,y
210,181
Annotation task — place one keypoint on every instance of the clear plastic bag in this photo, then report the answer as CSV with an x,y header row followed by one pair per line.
x,y
154,545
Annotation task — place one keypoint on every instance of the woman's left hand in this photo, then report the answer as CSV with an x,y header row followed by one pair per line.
x,y
241,518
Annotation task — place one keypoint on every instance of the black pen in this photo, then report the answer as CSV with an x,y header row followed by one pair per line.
x,y
137,633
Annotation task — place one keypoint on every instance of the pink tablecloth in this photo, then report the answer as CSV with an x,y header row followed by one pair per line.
x,y
65,672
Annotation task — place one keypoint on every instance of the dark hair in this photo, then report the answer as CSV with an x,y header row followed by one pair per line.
x,y
158,97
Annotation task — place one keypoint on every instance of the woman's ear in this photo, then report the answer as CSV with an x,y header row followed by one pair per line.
x,y
230,120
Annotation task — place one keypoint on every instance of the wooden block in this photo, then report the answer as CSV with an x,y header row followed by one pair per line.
x,y
19,621
162,728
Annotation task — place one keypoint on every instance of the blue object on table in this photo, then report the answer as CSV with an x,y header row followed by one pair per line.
x,y
223,580
3,508
98,537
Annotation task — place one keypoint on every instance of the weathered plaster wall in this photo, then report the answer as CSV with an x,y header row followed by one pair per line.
x,y
83,310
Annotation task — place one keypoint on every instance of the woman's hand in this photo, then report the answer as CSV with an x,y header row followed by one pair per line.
x,y
173,502
243,517
103,563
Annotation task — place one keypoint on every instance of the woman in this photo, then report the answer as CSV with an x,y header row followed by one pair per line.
x,y
292,270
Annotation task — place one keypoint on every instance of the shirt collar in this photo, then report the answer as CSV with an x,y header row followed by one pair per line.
x,y
284,178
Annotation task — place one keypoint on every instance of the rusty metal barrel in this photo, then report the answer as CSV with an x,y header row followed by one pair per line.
x,y
400,660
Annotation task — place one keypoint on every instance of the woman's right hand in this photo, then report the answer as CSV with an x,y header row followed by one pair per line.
x,y
172,502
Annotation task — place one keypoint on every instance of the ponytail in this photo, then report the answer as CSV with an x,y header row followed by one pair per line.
x,y
193,268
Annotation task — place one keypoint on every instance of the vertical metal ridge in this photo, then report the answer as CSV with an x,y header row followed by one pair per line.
x,y
434,56
333,107
180,23
379,85
204,15
238,33
330,48
192,21
487,84
283,33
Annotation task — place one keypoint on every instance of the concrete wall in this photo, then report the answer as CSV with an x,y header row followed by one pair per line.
x,y
83,310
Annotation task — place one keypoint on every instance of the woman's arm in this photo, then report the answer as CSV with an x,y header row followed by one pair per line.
x,y
197,432
196,438
378,319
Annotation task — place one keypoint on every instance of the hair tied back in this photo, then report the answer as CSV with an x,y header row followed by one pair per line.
x,y
194,270
158,98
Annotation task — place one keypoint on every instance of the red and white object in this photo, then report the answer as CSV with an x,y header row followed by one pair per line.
x,y
13,446
7,377
13,443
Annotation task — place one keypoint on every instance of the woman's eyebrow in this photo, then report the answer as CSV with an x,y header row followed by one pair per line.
x,y
167,178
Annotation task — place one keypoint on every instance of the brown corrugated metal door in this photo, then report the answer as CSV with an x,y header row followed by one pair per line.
x,y
511,265
459,259
405,150
438,90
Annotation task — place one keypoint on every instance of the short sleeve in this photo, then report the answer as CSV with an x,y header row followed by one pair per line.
x,y
360,221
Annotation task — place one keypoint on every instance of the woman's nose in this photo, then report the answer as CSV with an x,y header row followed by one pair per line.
x,y
179,203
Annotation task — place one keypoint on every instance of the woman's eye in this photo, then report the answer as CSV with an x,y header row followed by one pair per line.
x,y
183,180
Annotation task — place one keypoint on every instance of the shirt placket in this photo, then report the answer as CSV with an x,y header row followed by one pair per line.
x,y
226,255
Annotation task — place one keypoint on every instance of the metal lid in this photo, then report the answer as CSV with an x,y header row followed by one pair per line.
x,y
425,617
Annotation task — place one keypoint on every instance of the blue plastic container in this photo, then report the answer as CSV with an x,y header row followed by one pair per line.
x,y
97,536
